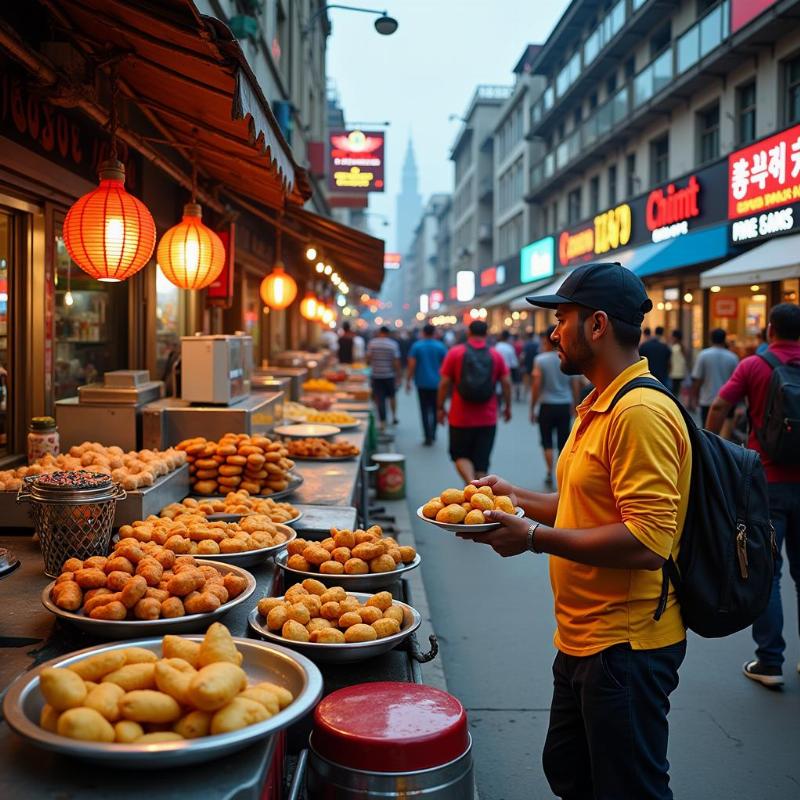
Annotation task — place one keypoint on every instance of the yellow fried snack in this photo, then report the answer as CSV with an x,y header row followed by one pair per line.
x,y
266,697
62,688
385,627
105,700
133,676
174,682
85,724
127,731
453,514
407,553
194,725
96,667
147,705
218,645
138,655
266,604
329,636
481,502
384,563
281,692
239,713
178,647
475,517
360,633
432,508
449,496
469,490
295,631
48,719
160,736
503,503
215,685
395,613
381,600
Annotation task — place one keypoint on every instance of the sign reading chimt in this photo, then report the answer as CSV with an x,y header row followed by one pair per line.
x,y
356,161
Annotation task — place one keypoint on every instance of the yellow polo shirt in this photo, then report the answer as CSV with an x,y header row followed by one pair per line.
x,y
632,465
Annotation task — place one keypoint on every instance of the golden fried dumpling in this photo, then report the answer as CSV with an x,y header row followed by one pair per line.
x,y
432,508
453,514
475,517
452,496
481,501
503,503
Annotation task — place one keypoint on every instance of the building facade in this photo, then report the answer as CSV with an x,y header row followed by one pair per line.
x,y
644,108
421,264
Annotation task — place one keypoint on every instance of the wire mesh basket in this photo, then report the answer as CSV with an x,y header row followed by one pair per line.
x,y
73,514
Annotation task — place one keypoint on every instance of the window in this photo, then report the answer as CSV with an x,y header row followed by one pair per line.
x,y
660,40
792,99
577,116
631,179
746,113
574,206
612,185
594,195
630,68
611,83
592,101
659,159
708,134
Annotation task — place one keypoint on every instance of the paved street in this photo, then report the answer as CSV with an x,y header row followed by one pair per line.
x,y
730,738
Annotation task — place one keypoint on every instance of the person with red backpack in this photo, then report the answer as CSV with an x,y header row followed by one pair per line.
x,y
471,371
770,382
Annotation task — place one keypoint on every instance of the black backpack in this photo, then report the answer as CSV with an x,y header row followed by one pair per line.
x,y
476,382
723,574
779,435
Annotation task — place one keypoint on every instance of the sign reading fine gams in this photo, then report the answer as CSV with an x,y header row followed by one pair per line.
x,y
356,163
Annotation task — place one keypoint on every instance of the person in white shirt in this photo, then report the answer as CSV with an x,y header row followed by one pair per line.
x,y
506,349
359,348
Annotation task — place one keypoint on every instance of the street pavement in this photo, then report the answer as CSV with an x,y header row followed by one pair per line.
x,y
730,738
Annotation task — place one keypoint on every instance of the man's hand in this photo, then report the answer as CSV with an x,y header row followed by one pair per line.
x,y
507,413
441,416
499,486
534,415
509,540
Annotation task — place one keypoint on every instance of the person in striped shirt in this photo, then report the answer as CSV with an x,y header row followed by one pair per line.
x,y
383,357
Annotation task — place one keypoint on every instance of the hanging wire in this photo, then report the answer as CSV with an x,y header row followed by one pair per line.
x,y
113,119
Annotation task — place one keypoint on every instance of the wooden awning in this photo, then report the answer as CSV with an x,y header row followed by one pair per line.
x,y
189,73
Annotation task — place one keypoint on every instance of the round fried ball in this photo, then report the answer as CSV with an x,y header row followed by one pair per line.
x,y
355,566
453,514
475,517
395,613
432,508
360,633
330,636
481,501
332,568
503,503
384,563
385,627
299,563
381,600
452,496
295,631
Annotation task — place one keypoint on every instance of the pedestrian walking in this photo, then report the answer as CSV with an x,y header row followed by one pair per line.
x,y
346,344
712,369
554,395
530,350
383,357
509,353
678,363
658,355
424,363
623,481
471,371
754,380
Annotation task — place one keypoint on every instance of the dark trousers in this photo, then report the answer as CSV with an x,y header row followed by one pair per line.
x,y
427,408
784,511
382,390
608,724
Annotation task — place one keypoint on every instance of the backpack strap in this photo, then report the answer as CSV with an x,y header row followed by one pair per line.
x,y
669,571
771,359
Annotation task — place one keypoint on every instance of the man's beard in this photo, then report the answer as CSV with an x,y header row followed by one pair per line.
x,y
579,361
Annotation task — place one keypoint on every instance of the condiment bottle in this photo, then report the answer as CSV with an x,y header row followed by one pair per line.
x,y
42,438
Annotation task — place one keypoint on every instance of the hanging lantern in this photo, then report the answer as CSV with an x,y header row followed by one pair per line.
x,y
321,308
109,233
190,254
278,290
308,306
328,316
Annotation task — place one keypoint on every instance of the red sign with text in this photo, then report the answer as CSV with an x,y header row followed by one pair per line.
x,y
764,175
724,307
489,277
220,293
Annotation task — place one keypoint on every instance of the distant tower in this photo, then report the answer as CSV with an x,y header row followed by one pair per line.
x,y
409,201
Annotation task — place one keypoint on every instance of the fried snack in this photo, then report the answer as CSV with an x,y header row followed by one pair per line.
x,y
360,633
475,517
218,646
133,676
472,501
318,385
62,688
187,703
503,503
311,448
453,514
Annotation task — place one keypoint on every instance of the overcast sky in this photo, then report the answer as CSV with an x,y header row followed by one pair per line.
x,y
425,71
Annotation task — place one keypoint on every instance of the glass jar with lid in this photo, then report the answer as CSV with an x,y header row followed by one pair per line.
x,y
43,438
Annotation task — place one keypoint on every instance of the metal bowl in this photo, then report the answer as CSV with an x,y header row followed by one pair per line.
x,y
347,653
262,662
131,628
450,526
305,430
252,557
221,516
371,582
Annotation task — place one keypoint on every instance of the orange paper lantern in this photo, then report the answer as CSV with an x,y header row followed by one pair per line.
x,y
190,254
308,306
278,289
109,233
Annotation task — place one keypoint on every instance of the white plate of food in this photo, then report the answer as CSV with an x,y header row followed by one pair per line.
x,y
461,528
306,430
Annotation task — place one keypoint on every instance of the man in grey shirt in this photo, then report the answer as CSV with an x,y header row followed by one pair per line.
x,y
711,370
555,395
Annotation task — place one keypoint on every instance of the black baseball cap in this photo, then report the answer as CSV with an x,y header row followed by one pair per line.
x,y
608,287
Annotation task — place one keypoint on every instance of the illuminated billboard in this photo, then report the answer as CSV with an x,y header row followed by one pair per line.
x,y
537,260
355,162
392,261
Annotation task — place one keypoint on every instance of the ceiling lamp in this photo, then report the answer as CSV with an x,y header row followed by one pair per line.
x,y
190,254
311,253
328,269
278,290
109,233
328,316
309,305
320,267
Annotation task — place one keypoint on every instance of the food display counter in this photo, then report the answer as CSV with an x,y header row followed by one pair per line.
x,y
296,376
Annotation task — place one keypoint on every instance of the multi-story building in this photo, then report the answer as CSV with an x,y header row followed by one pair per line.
x,y
444,244
420,268
473,192
645,109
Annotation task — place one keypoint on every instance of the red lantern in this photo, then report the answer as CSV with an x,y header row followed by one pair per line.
x,y
308,306
190,254
278,289
109,233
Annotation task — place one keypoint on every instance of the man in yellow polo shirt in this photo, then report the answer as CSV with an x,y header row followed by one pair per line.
x,y
623,480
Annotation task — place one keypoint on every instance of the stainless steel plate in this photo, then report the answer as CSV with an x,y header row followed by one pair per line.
x,y
341,653
306,430
262,662
128,629
448,526
372,582
251,557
